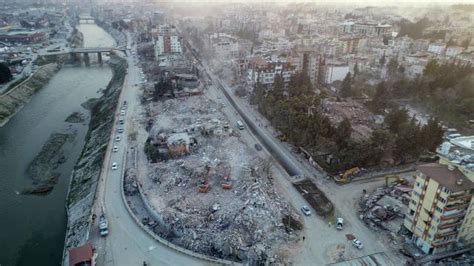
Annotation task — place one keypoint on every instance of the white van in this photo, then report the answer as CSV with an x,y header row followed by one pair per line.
x,y
240,125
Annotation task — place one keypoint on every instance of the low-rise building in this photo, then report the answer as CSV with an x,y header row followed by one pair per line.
x,y
454,51
437,48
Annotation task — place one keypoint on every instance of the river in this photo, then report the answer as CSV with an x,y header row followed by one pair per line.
x,y
32,228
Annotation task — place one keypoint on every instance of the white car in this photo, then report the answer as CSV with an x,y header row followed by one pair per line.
x,y
114,166
356,243
117,138
115,149
306,210
339,223
122,112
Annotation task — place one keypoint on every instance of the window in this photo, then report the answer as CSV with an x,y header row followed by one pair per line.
x,y
442,200
414,202
446,190
418,184
439,209
412,212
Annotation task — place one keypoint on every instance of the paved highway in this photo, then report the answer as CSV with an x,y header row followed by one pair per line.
x,y
323,243
127,244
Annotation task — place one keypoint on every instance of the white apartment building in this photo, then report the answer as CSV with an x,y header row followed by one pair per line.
x,y
437,48
333,72
453,51
175,44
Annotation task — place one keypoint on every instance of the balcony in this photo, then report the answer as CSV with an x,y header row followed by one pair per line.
x,y
443,243
453,214
461,196
441,234
457,205
449,225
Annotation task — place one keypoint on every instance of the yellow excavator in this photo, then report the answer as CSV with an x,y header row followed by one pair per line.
x,y
347,175
397,178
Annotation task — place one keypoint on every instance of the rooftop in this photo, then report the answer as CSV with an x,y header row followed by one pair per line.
x,y
453,179
80,254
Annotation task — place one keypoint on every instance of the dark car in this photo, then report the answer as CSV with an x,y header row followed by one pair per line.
x,y
258,147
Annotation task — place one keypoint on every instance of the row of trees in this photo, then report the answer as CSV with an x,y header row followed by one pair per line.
x,y
297,113
5,74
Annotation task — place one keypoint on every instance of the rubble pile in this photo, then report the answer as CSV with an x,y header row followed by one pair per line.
x,y
357,113
242,221
385,208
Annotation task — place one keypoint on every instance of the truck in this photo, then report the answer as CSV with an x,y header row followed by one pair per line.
x,y
103,226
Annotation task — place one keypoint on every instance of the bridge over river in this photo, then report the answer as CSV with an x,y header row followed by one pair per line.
x,y
85,51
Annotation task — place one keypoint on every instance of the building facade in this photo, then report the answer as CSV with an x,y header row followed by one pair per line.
x,y
441,208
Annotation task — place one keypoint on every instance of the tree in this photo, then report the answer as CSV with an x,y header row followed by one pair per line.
x,y
380,100
396,119
431,68
465,43
343,133
278,87
392,66
380,143
299,85
431,135
5,74
346,87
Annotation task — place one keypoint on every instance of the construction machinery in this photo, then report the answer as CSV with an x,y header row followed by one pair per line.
x,y
282,137
204,186
347,175
226,183
397,178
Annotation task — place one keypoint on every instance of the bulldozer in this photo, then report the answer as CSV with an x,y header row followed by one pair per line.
x,y
397,178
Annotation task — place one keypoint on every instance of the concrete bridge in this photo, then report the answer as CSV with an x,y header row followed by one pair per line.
x,y
85,51
86,19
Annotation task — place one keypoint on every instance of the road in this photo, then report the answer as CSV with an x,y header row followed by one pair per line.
x,y
127,244
323,243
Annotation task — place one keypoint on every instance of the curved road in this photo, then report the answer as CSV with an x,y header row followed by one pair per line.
x,y
127,244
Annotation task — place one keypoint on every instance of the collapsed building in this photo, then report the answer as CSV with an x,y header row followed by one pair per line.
x,y
213,192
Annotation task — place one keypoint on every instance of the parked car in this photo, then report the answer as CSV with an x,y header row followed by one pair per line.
x,y
115,149
122,112
306,210
356,243
114,166
117,138
258,147
120,130
339,223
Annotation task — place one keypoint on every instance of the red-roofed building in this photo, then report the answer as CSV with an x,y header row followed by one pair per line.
x,y
81,256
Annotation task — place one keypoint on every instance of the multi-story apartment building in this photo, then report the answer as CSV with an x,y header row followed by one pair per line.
x,y
366,28
264,71
441,211
166,44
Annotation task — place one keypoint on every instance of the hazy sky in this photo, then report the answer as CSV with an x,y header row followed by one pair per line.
x,y
370,2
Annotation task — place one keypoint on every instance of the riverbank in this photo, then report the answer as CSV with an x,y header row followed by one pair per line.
x,y
14,100
83,184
